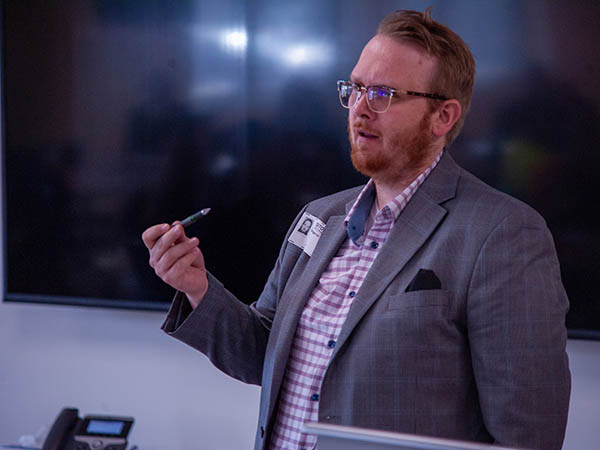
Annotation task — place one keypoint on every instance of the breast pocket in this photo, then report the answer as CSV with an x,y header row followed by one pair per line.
x,y
427,299
418,320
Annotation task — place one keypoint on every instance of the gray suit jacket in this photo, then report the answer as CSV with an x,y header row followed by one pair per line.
x,y
482,359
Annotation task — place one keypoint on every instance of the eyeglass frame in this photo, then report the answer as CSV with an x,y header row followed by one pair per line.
x,y
393,92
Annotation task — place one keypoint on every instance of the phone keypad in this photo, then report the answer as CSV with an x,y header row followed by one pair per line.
x,y
97,444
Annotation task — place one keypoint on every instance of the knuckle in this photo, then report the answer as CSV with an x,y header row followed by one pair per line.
x,y
169,278
154,260
157,248
160,271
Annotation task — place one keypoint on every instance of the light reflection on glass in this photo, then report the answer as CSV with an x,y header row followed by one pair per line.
x,y
295,52
307,55
234,40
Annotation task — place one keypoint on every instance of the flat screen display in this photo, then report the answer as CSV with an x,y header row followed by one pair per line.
x,y
120,115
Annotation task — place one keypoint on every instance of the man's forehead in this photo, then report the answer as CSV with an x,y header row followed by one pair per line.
x,y
388,60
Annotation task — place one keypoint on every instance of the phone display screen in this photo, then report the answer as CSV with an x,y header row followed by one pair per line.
x,y
105,427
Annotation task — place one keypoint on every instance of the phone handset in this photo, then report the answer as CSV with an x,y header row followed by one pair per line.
x,y
62,430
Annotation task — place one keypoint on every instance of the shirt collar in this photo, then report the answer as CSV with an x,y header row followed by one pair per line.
x,y
357,216
359,212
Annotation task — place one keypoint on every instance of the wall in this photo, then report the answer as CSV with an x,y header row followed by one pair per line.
x,y
119,362
583,431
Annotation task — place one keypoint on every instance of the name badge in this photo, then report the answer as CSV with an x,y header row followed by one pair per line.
x,y
307,233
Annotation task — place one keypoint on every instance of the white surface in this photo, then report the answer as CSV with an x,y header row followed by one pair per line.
x,y
583,428
117,362
120,362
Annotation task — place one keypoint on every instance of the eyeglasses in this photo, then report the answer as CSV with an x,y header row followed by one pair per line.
x,y
379,98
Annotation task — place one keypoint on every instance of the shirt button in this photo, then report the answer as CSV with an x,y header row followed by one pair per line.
x,y
331,344
315,397
352,294
374,244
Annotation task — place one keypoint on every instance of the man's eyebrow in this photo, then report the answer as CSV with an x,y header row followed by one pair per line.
x,y
357,81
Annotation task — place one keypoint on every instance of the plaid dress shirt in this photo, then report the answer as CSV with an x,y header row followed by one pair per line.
x,y
326,310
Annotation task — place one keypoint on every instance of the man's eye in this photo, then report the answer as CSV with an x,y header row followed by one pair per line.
x,y
381,92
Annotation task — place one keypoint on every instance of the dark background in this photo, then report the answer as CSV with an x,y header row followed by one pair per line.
x,y
121,114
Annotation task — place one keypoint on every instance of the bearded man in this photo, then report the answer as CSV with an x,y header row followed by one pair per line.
x,y
426,303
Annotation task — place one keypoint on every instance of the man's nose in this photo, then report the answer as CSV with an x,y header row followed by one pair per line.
x,y
361,107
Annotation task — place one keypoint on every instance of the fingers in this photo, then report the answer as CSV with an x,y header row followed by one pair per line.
x,y
160,238
175,258
168,249
173,276
152,234
178,266
175,235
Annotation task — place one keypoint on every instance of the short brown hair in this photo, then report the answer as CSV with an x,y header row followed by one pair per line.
x,y
455,72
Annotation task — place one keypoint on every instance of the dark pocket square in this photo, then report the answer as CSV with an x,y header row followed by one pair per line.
x,y
424,280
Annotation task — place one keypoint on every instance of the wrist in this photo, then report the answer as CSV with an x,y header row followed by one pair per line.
x,y
196,297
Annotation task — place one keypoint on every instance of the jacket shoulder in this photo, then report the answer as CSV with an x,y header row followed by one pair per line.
x,y
333,204
477,196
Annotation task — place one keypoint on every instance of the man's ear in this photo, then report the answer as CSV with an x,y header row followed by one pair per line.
x,y
445,117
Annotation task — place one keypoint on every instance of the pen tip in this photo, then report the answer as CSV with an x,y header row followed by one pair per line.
x,y
205,211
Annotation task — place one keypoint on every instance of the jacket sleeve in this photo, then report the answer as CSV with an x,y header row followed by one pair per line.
x,y
516,327
232,334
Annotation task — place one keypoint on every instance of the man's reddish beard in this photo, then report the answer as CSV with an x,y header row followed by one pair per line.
x,y
409,151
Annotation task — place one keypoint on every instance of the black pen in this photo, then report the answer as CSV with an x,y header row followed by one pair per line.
x,y
194,217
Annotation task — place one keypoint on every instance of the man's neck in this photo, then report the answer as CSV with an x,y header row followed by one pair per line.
x,y
385,193
388,188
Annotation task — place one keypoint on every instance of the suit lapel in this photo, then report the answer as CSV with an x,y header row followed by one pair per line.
x,y
419,219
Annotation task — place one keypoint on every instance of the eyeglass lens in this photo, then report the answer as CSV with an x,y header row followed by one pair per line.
x,y
378,97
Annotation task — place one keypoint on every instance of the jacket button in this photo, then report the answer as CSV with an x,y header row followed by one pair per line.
x,y
262,432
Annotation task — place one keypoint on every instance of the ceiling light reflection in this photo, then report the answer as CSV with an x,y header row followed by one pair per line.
x,y
295,54
234,40
307,55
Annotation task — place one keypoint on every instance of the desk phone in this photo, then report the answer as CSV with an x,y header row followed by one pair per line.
x,y
96,432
